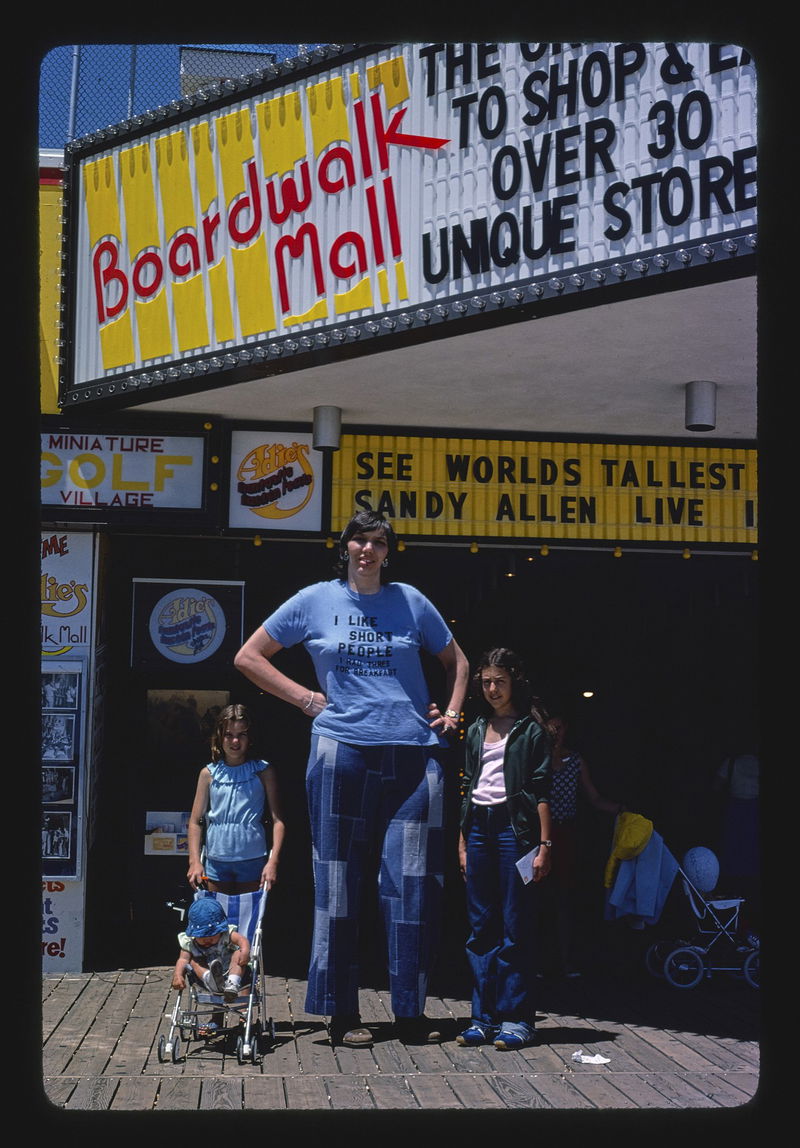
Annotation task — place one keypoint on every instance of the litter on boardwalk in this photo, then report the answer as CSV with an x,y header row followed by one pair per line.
x,y
584,1058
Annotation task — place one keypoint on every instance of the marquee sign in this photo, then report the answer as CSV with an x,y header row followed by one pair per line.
x,y
362,197
561,491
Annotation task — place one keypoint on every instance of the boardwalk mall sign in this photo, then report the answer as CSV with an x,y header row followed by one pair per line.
x,y
363,196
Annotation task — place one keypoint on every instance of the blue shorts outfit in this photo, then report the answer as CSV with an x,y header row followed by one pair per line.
x,y
236,872
374,781
236,841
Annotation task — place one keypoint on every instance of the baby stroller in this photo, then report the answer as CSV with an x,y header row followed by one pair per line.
x,y
718,944
194,1020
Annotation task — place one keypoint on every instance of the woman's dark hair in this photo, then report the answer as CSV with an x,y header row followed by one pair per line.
x,y
235,712
365,520
522,696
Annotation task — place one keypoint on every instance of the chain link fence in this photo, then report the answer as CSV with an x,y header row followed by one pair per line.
x,y
86,87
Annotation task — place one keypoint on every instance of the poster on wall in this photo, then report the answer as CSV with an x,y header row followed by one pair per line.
x,y
185,623
68,594
275,481
181,722
62,758
62,926
166,834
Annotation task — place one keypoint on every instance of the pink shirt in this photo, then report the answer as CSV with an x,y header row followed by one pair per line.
x,y
490,788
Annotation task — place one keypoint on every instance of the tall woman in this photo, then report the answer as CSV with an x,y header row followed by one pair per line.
x,y
374,769
505,817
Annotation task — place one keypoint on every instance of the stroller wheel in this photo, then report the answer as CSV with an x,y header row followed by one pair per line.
x,y
752,969
162,1046
684,968
176,1049
240,1050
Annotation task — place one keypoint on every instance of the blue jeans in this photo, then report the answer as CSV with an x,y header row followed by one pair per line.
x,y
501,912
359,796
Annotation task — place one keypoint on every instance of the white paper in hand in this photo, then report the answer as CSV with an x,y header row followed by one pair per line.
x,y
525,865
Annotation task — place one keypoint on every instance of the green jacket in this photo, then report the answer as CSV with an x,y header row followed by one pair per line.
x,y
527,770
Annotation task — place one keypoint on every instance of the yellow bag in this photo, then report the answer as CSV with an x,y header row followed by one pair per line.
x,y
631,834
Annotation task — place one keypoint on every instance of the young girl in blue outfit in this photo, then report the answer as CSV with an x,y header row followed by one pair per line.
x,y
234,794
505,816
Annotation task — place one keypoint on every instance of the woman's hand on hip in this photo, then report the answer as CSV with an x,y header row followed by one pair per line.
x,y
441,722
314,704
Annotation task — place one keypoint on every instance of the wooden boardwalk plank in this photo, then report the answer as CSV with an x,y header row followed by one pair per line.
x,y
601,1090
679,1091
179,1093
280,1058
641,1092
391,1091
306,1093
222,1092
93,1093
433,1092
348,1092
519,1092
97,1046
58,996
392,1057
138,1039
677,1051
721,1088
559,1091
264,1092
58,1089
474,1091
721,1056
135,1093
60,1048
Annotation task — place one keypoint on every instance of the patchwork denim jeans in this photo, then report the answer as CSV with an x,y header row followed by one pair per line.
x,y
363,798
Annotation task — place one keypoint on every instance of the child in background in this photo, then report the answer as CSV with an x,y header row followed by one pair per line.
x,y
214,951
571,780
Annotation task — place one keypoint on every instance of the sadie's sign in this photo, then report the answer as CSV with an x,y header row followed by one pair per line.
x,y
390,189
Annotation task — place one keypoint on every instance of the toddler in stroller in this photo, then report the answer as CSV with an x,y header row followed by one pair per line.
x,y
212,951
222,964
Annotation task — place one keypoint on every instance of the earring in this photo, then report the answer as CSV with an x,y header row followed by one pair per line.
x,y
385,562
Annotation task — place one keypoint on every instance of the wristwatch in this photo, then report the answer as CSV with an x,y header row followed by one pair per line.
x,y
549,844
452,714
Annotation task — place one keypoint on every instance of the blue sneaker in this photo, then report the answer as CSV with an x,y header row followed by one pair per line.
x,y
514,1035
477,1033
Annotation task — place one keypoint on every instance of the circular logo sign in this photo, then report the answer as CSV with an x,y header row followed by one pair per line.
x,y
276,480
187,625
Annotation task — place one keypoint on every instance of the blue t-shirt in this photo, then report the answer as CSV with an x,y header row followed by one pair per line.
x,y
365,649
235,814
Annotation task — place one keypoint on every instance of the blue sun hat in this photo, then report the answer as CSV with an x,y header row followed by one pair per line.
x,y
206,918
